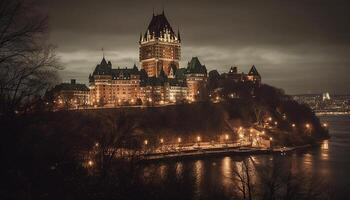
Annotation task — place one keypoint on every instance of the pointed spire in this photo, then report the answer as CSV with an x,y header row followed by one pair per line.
x,y
153,11
253,71
178,34
103,53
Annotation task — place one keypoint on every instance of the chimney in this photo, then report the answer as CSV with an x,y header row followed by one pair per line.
x,y
72,81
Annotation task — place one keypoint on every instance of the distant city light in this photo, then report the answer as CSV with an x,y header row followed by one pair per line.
x,y
226,137
90,163
293,125
198,138
161,140
307,125
145,142
179,140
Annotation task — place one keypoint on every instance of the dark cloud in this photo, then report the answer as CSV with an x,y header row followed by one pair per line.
x,y
301,46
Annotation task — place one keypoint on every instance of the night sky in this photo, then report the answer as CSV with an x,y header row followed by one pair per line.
x,y
300,46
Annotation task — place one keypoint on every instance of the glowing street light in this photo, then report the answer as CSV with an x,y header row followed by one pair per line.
x,y
198,138
293,125
145,142
270,138
161,140
325,125
90,163
270,119
307,125
226,137
179,140
97,144
276,123
263,132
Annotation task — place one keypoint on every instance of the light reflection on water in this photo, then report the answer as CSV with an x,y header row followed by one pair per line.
x,y
226,171
198,171
179,169
329,162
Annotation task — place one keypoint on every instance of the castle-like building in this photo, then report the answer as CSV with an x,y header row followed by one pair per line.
x,y
160,80
160,47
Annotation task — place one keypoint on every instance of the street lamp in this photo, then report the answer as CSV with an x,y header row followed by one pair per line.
x,y
179,140
145,142
307,125
226,136
90,163
325,125
198,138
161,140
293,125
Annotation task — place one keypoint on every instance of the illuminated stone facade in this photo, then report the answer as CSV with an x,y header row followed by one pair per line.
x,y
113,87
160,47
160,80
68,96
196,79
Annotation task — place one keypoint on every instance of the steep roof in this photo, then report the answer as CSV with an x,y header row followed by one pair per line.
x,y
105,68
70,87
253,71
195,67
157,26
180,74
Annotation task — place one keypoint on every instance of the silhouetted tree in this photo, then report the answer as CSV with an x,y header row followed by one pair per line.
x,y
27,64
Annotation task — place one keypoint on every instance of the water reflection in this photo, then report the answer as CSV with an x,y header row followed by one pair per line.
x,y
162,171
329,162
324,145
307,162
226,171
178,169
324,148
198,172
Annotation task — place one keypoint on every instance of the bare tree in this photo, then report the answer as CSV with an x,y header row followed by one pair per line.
x,y
121,134
243,177
28,65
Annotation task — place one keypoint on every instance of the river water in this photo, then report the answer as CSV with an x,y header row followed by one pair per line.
x,y
211,178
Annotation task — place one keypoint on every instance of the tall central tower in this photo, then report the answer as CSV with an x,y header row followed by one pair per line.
x,y
160,47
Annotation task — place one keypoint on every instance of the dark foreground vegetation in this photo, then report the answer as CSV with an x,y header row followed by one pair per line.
x,y
45,155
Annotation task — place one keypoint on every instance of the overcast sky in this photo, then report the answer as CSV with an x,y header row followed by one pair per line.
x,y
300,46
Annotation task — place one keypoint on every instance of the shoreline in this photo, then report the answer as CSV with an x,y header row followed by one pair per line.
x,y
204,153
